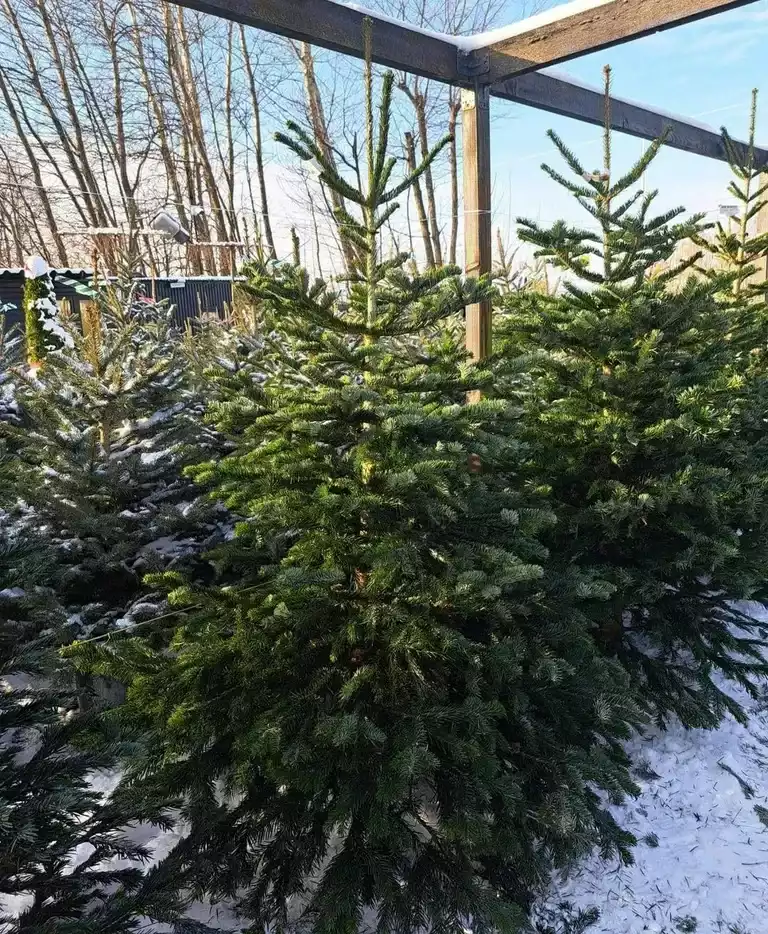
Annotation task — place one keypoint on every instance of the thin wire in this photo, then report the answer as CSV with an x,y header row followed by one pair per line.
x,y
156,619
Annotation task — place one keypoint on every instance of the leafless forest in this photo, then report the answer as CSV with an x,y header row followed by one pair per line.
x,y
112,109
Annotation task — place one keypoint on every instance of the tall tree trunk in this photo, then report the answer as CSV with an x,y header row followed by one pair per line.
x,y
418,99
194,114
77,153
166,153
266,225
410,155
36,173
199,222
322,137
230,137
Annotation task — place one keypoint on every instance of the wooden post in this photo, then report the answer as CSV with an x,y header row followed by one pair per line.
x,y
761,228
478,246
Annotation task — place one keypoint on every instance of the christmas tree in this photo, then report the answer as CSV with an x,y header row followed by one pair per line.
x,y
643,424
399,716
735,245
106,426
11,349
66,866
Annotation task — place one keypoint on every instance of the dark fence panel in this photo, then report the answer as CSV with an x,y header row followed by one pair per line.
x,y
190,297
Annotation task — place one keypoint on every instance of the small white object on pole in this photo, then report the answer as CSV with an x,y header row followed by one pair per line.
x,y
165,223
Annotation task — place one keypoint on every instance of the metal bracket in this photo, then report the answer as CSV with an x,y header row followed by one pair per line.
x,y
472,64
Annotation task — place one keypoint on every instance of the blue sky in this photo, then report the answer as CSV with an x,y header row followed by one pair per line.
x,y
704,70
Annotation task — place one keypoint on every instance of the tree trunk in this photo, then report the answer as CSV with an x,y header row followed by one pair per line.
x,y
410,155
36,173
322,137
266,225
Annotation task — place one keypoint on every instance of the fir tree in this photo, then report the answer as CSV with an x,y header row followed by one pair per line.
x,y
106,427
398,716
643,425
66,864
733,244
11,348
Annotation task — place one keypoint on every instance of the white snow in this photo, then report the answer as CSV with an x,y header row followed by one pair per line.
x,y
711,861
12,593
547,18
48,314
483,39
433,34
35,267
569,79
161,415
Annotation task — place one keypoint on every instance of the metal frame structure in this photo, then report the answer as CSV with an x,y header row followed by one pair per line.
x,y
505,64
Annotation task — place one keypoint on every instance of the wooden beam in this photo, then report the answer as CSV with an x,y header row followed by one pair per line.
x,y
556,95
340,28
576,28
476,161
334,26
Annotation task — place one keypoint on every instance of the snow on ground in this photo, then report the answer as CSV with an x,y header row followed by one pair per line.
x,y
702,861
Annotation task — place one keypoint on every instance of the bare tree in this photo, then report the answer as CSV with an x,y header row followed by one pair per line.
x,y
426,235
266,224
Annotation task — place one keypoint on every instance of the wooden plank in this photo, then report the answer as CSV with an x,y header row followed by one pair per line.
x,y
556,95
574,29
340,28
476,161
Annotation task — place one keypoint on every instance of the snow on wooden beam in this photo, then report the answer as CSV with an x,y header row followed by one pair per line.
x,y
454,60
547,90
582,26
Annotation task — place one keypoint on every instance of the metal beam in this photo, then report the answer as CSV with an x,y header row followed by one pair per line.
x,y
558,96
573,29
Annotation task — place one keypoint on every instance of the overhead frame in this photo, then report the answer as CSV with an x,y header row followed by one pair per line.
x,y
505,64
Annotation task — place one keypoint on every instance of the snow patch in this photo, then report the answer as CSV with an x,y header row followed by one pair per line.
x,y
12,593
546,18
703,848
36,267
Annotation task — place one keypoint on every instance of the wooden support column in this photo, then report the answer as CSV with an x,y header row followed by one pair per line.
x,y
476,149
761,228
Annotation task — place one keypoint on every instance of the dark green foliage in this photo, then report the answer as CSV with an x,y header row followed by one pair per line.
x,y
399,714
103,432
11,349
60,839
565,919
645,425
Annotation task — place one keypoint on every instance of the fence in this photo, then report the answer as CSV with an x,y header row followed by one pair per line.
x,y
190,297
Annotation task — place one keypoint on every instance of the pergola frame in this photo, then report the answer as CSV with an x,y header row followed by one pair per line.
x,y
503,64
